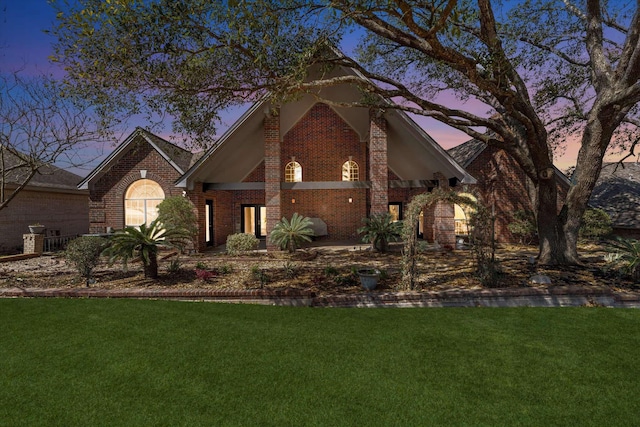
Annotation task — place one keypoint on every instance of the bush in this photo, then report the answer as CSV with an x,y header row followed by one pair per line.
x,y
596,224
291,234
84,253
524,226
241,242
178,213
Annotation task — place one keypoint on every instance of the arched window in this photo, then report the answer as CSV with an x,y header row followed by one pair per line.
x,y
141,202
350,171
462,215
293,172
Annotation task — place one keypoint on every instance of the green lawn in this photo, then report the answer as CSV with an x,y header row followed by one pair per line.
x,y
126,362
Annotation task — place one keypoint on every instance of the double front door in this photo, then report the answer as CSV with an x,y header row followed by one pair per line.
x,y
254,220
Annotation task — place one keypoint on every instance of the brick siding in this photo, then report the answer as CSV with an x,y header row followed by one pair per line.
x,y
106,199
61,213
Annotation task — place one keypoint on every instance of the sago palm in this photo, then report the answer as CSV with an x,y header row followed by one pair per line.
x,y
291,234
379,230
144,242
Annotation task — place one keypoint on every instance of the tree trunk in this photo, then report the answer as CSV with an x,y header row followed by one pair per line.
x,y
151,269
598,132
553,248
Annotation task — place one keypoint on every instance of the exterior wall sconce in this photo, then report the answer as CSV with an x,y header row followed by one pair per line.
x,y
350,199
293,201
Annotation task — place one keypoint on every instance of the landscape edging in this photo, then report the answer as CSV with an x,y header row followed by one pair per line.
x,y
560,296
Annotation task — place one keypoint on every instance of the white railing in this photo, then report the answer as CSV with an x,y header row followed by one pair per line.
x,y
57,243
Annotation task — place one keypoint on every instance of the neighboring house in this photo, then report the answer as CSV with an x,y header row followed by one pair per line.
x,y
502,185
51,198
335,165
617,192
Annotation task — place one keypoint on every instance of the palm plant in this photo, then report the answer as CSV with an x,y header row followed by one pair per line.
x,y
291,234
379,230
144,242
628,253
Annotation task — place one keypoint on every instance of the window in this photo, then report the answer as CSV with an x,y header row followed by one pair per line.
x,y
395,210
141,202
462,216
350,171
293,172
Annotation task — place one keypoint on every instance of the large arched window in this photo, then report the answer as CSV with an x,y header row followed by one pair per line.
x,y
350,171
141,202
293,172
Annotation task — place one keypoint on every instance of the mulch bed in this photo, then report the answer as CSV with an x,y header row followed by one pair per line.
x,y
321,271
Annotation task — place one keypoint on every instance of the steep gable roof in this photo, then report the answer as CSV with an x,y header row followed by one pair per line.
x,y
413,154
179,158
48,176
617,192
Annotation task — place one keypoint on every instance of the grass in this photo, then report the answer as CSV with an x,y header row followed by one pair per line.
x,y
127,362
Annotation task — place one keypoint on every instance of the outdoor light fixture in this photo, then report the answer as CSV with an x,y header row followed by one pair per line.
x,y
350,199
293,201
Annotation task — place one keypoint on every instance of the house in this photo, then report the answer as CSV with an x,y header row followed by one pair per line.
x,y
501,184
336,165
617,192
127,186
51,199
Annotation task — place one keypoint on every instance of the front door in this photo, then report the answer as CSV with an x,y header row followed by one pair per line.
x,y
254,220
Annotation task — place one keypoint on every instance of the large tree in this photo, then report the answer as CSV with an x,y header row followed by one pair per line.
x,y
40,127
539,70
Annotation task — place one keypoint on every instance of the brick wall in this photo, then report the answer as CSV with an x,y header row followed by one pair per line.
x,y
502,183
106,200
322,142
66,214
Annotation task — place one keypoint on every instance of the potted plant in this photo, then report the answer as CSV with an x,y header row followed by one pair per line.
x,y
369,278
36,228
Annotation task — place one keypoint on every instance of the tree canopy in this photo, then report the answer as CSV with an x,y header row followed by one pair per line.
x,y
40,126
525,75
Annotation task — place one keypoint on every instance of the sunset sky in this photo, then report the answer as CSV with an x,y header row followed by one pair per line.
x,y
23,45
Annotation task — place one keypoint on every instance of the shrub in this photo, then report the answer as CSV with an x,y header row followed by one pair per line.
x,y
627,255
205,275
241,242
178,213
524,226
225,269
379,230
174,265
596,224
84,253
291,234
291,269
259,275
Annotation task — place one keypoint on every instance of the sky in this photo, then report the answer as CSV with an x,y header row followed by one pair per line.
x,y
24,45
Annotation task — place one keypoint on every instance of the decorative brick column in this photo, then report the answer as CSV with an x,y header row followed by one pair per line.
x,y
272,171
33,243
444,229
378,166
197,198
